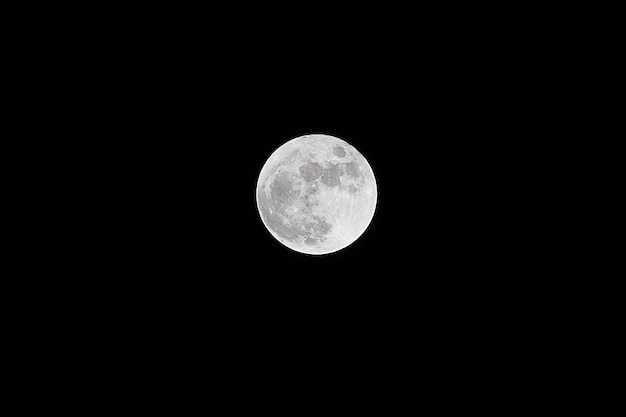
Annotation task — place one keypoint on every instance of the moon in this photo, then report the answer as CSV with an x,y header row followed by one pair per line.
x,y
316,194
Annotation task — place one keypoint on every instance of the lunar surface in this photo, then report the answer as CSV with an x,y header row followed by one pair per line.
x,y
316,194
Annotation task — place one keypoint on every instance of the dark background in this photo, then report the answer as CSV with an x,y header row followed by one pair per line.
x,y
139,277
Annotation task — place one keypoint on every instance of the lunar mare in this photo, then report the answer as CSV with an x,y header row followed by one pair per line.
x,y
316,194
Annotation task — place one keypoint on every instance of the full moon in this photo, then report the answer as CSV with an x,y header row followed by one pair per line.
x,y
316,194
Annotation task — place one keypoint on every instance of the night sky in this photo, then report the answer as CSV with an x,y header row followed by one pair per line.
x,y
139,277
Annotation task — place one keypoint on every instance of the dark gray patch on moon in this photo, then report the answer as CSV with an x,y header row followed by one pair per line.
x,y
274,219
339,151
281,189
309,197
310,229
331,176
352,169
315,229
311,171
283,230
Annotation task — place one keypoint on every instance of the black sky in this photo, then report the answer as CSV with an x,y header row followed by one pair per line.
x,y
141,278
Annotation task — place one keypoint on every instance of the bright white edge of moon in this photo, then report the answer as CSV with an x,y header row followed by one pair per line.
x,y
316,194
